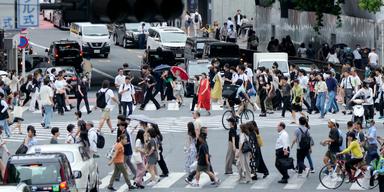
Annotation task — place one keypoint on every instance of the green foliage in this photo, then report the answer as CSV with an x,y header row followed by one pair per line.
x,y
372,6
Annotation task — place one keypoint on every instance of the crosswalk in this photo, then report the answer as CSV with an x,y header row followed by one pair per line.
x,y
175,180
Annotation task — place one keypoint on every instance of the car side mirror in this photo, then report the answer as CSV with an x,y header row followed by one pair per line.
x,y
77,174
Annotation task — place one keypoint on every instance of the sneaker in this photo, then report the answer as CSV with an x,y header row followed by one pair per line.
x,y
188,181
152,183
313,171
111,188
131,187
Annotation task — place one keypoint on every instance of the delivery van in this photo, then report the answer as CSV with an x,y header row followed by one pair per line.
x,y
267,59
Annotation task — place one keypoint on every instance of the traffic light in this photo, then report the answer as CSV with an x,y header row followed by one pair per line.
x,y
121,11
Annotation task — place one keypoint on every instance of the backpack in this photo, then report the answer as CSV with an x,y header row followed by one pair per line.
x,y
100,141
305,141
196,18
100,99
23,88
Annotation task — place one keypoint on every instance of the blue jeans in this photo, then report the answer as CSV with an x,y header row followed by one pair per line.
x,y
48,113
309,158
320,101
332,104
4,123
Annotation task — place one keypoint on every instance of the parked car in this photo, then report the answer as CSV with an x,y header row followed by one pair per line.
x,y
58,21
41,172
21,187
224,52
66,53
194,47
128,34
70,76
81,163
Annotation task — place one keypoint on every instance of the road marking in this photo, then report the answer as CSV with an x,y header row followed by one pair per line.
x,y
356,187
150,107
296,182
169,181
230,182
124,187
105,180
103,73
264,183
216,107
139,56
204,180
173,106
39,46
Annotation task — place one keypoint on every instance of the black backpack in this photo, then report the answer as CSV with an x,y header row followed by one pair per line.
x,y
305,141
100,99
196,18
100,141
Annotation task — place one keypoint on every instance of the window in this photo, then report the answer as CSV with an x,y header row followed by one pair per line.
x,y
34,174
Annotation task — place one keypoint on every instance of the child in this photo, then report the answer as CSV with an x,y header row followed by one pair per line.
x,y
55,135
71,138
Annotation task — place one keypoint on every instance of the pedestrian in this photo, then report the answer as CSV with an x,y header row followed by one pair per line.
x,y
286,94
253,40
71,135
17,112
166,80
82,135
237,18
87,69
187,23
159,142
203,163
152,156
346,84
92,138
140,167
4,115
233,145
367,94
303,140
46,96
282,152
119,80
303,80
123,127
224,32
118,161
232,34
55,135
27,87
297,100
178,88
217,91
35,91
332,85
60,85
244,155
257,163
302,51
309,157
3,148
105,96
82,93
379,92
320,92
196,84
78,115
377,169
357,57
30,139
143,30
149,83
197,123
334,141
204,94
373,59
312,92
371,142
190,149
127,92
197,22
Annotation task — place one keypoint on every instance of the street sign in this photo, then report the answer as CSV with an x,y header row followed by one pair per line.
x,y
7,14
23,42
28,12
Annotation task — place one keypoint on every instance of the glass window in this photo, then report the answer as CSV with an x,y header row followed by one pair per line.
x,y
200,46
173,37
197,69
268,65
95,31
34,174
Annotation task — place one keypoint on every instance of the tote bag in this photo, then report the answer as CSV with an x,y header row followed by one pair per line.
x,y
18,111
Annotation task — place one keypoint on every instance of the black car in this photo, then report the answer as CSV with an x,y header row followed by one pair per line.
x,y
66,53
35,61
194,47
41,172
224,52
128,34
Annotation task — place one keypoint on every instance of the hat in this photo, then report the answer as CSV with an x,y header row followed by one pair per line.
x,y
231,119
333,121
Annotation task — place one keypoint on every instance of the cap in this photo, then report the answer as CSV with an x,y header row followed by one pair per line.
x,y
333,121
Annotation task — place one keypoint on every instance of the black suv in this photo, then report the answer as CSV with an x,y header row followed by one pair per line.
x,y
66,53
128,34
41,172
224,52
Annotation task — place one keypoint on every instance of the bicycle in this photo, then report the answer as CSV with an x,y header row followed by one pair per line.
x,y
332,176
246,115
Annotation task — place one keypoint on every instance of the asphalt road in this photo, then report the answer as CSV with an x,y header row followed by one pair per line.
x,y
172,122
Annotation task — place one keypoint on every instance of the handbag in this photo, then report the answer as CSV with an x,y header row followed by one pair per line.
x,y
22,149
136,157
18,111
286,163
259,140
246,147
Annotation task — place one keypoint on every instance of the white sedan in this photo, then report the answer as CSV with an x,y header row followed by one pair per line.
x,y
22,187
83,166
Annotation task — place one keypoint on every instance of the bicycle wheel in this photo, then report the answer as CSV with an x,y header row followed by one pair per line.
x,y
246,116
333,179
365,182
226,115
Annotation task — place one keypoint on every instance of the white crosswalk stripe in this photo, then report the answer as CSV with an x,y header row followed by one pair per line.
x,y
228,182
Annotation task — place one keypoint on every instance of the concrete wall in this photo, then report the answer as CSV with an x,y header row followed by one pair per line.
x,y
222,9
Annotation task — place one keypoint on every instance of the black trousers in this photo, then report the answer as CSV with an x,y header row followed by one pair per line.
x,y
313,101
79,98
381,183
194,102
286,105
350,165
280,155
126,105
162,164
149,96
60,99
159,89
193,173
301,154
27,98
263,96
369,112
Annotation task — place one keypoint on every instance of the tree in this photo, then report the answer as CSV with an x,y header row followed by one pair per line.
x,y
373,6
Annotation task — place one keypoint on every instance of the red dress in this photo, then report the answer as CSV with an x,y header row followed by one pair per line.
x,y
204,98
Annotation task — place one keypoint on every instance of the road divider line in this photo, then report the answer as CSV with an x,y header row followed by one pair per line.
x,y
37,45
103,73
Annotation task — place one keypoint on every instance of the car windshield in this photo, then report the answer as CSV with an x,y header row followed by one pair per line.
x,y
135,26
34,174
173,37
197,69
95,31
224,51
200,46
268,65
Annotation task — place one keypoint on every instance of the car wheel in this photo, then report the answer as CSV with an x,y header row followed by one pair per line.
x,y
115,40
124,43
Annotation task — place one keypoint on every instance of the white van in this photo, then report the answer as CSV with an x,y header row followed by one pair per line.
x,y
267,59
93,38
167,38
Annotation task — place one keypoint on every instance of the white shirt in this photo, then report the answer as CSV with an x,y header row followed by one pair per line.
x,y
243,77
193,18
119,80
92,137
46,93
108,97
249,73
303,80
356,54
70,138
232,33
238,19
282,140
130,90
346,83
373,58
229,23
367,94
235,77
60,85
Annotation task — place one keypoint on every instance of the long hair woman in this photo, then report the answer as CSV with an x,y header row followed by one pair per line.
x,y
159,141
140,168
190,148
257,163
244,158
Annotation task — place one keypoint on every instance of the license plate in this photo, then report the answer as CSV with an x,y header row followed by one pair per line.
x,y
96,51
178,55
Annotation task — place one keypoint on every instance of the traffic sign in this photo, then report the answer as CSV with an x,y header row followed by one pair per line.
x,y
28,12
23,42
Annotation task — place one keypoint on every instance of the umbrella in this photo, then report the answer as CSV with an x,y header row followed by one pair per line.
x,y
142,118
3,73
161,67
182,73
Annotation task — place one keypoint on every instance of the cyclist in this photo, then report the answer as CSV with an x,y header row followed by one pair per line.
x,y
240,98
357,155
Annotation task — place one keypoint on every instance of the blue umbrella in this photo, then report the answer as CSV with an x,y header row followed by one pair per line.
x,y
161,67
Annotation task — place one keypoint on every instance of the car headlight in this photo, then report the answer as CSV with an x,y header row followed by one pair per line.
x,y
85,45
165,47
108,44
